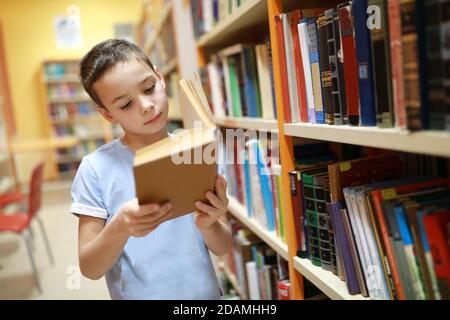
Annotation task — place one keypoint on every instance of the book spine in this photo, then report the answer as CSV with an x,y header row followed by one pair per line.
x,y
411,66
272,81
436,69
364,59
381,68
325,69
283,71
350,64
311,217
340,70
333,247
395,34
302,33
315,70
290,68
323,222
297,212
377,198
299,68
333,60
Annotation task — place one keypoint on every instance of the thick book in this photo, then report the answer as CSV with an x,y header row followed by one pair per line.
x,y
283,70
304,48
381,67
395,34
325,68
186,161
350,65
333,60
364,58
295,17
314,54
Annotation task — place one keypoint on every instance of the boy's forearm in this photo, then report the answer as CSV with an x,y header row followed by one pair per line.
x,y
100,254
218,237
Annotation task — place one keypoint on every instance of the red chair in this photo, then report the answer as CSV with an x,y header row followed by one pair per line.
x,y
19,222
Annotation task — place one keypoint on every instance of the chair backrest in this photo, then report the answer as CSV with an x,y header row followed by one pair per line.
x,y
35,192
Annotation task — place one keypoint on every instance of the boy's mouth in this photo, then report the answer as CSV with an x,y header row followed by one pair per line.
x,y
153,119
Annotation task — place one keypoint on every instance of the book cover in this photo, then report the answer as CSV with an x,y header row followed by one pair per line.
x,y
161,162
350,65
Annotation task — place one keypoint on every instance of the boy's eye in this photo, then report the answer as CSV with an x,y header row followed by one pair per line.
x,y
126,105
149,90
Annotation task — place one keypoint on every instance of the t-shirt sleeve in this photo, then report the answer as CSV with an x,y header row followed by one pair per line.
x,y
86,196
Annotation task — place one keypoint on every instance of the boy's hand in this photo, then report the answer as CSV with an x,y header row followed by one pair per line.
x,y
208,214
139,220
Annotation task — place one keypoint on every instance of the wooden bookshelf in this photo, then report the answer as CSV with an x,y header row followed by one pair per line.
x,y
239,211
71,118
234,282
330,284
169,67
254,13
424,142
251,13
165,14
161,47
248,123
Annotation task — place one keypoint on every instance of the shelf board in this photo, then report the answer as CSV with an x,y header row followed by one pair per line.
x,y
45,144
68,78
269,237
248,123
326,281
234,282
94,117
424,142
69,100
250,13
151,41
169,67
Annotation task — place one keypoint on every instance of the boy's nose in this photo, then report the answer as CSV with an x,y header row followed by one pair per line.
x,y
147,105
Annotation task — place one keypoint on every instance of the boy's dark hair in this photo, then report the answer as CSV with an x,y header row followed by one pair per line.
x,y
104,56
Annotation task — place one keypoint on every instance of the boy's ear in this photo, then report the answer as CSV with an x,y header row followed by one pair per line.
x,y
106,115
163,82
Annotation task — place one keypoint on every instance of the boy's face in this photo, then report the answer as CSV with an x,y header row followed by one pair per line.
x,y
134,97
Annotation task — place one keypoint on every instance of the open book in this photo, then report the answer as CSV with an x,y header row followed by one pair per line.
x,y
183,167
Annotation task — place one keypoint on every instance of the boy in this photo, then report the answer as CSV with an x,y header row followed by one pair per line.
x,y
142,253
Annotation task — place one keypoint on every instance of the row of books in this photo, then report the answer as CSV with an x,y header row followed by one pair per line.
x,y
372,225
239,81
340,65
255,181
84,130
79,151
207,13
55,70
61,111
257,267
65,91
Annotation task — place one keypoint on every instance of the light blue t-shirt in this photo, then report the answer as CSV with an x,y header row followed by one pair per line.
x,y
172,262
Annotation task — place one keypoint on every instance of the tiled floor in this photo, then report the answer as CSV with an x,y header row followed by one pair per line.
x,y
59,281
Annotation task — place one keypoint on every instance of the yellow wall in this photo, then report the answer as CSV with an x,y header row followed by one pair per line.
x,y
30,39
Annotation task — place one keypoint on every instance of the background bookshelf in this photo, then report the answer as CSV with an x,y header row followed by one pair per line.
x,y
250,21
74,126
155,33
